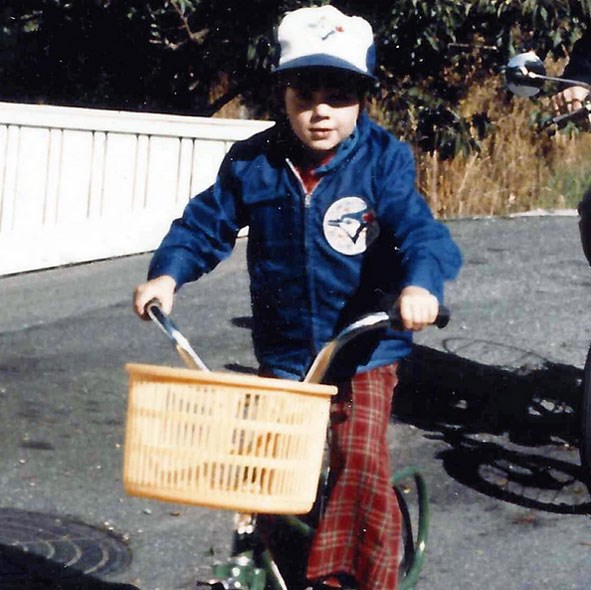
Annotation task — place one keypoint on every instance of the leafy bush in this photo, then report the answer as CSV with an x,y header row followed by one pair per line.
x,y
174,55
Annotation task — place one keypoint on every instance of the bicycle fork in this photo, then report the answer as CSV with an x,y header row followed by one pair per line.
x,y
238,572
241,570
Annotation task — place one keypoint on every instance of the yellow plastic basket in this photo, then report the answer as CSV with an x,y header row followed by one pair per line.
x,y
221,440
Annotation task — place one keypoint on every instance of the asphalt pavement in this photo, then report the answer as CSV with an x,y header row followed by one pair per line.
x,y
487,408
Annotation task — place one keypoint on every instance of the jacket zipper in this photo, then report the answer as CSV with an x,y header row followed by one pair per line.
x,y
307,202
307,194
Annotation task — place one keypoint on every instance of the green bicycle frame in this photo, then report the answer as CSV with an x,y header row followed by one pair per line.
x,y
412,575
410,579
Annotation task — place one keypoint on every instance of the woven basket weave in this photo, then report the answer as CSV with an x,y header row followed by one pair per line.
x,y
243,443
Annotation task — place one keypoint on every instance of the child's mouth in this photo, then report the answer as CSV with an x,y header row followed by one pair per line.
x,y
320,133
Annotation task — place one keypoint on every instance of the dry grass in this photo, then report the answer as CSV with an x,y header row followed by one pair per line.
x,y
518,168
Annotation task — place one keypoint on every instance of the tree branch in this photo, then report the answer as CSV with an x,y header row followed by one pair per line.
x,y
223,100
195,36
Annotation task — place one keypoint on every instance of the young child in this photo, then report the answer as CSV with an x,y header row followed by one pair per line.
x,y
334,223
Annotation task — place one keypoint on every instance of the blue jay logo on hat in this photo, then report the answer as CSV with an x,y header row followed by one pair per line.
x,y
323,36
337,29
350,226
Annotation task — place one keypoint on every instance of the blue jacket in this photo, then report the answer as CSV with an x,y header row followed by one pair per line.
x,y
316,262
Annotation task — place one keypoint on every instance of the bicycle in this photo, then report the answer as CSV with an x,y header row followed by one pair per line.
x,y
252,564
526,76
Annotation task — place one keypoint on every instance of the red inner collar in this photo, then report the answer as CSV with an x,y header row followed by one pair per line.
x,y
307,171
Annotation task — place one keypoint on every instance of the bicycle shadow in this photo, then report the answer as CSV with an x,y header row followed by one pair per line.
x,y
22,570
512,434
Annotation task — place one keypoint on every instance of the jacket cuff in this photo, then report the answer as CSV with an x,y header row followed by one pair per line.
x,y
173,266
421,275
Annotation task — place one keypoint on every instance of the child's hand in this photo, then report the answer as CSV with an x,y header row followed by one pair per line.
x,y
418,308
161,288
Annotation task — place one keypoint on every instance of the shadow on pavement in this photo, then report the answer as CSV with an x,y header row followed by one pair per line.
x,y
512,433
21,570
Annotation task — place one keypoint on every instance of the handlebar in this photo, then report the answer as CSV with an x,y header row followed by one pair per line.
x,y
581,112
183,348
525,75
374,321
442,319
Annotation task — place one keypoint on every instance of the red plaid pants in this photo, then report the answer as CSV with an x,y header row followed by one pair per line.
x,y
359,534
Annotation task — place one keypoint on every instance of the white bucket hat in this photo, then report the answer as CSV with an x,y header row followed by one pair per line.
x,y
324,36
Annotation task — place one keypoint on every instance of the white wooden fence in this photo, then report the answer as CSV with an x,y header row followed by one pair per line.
x,y
82,184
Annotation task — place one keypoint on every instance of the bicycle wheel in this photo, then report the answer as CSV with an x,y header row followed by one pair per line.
x,y
585,422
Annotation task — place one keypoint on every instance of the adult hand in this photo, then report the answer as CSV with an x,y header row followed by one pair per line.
x,y
161,288
569,99
418,308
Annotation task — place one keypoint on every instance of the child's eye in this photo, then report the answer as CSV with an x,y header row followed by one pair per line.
x,y
304,94
341,98
336,97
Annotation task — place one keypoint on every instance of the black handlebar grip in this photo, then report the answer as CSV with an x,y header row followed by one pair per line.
x,y
442,319
154,308
577,113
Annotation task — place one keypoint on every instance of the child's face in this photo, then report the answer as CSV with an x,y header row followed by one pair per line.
x,y
321,114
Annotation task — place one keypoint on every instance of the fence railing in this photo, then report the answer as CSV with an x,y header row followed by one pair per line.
x,y
83,184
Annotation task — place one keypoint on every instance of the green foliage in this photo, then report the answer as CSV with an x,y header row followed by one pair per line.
x,y
170,55
432,53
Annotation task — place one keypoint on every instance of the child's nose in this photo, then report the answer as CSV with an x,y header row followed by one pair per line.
x,y
321,109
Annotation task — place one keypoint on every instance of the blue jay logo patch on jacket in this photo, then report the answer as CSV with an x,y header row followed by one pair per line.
x,y
350,226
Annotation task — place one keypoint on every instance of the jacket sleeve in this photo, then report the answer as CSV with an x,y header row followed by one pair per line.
x,y
429,254
204,235
579,64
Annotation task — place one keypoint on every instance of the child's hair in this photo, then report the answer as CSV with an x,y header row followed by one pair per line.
x,y
321,77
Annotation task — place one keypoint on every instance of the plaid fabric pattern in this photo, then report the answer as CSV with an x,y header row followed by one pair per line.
x,y
360,531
